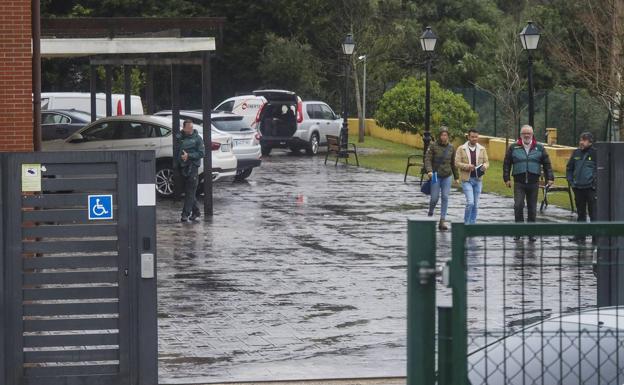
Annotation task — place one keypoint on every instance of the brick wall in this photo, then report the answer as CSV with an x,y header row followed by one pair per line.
x,y
16,117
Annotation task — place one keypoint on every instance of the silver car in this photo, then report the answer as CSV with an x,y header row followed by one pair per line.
x,y
318,122
582,347
285,121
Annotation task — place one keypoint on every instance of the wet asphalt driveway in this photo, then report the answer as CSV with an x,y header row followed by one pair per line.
x,y
301,274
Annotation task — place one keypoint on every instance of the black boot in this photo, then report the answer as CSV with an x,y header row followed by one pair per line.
x,y
196,214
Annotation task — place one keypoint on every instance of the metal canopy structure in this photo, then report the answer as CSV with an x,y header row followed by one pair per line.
x,y
51,48
148,42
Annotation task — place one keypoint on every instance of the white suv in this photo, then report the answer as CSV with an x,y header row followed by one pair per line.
x,y
319,120
285,121
142,132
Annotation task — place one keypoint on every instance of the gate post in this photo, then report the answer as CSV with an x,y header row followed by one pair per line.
x,y
459,352
421,258
146,298
445,345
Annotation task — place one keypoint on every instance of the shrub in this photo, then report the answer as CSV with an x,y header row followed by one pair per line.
x,y
403,107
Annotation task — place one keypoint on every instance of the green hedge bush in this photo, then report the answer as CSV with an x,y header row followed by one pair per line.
x,y
403,107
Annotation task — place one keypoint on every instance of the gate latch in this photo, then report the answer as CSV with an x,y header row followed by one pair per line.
x,y
426,272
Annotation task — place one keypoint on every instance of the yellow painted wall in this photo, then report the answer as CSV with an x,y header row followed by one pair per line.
x,y
496,147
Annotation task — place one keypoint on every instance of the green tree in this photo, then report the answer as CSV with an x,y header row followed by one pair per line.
x,y
289,64
466,32
403,107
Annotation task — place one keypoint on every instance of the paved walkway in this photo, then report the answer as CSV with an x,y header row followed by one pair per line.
x,y
300,275
349,381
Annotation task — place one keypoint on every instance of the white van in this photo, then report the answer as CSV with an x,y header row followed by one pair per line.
x,y
82,101
248,106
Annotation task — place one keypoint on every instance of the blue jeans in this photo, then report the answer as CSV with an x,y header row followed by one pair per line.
x,y
444,186
472,191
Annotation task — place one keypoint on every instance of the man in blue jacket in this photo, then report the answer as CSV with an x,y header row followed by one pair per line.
x,y
525,160
581,174
190,155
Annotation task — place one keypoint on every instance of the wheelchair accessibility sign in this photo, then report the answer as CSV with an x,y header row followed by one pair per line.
x,y
100,207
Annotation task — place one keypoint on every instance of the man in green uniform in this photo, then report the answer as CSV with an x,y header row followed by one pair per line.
x,y
581,174
190,155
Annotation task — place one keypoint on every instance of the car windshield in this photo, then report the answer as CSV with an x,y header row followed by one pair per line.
x,y
231,125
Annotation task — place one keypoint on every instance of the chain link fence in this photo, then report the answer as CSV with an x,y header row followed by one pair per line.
x,y
528,304
571,111
537,322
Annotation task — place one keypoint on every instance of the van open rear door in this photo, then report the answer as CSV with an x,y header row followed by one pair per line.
x,y
277,95
280,115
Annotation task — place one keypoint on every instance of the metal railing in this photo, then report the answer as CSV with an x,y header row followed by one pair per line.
x,y
570,110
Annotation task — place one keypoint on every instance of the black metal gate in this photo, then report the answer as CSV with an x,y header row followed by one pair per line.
x,y
77,278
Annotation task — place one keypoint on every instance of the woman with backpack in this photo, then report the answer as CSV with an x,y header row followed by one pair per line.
x,y
440,167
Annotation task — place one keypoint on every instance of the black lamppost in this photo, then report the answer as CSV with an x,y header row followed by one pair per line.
x,y
530,38
348,46
428,42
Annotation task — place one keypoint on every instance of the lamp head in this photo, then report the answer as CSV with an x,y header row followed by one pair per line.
x,y
348,45
530,36
428,40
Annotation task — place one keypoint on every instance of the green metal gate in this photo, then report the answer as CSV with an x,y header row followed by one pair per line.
x,y
529,305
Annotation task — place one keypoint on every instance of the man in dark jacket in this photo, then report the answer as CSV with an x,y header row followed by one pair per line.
x,y
581,174
190,155
525,160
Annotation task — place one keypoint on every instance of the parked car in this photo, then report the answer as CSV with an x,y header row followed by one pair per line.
x,y
319,120
247,106
144,132
245,140
82,101
285,121
584,344
59,124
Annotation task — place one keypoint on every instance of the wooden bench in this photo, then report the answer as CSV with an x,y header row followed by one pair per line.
x,y
555,188
333,147
412,161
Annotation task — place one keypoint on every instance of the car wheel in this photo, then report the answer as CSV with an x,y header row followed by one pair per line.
x,y
313,146
265,150
242,175
164,180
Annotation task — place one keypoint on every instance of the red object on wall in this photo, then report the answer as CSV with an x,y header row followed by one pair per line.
x,y
119,108
16,109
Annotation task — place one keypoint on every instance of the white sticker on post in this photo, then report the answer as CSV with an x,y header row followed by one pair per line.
x,y
146,194
31,177
147,265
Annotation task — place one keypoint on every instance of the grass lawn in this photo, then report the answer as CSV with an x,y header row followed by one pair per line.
x,y
392,157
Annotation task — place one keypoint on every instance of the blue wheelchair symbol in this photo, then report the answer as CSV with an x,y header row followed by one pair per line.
x,y
100,207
